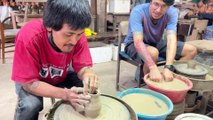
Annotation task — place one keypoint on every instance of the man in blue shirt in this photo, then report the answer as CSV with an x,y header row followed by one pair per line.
x,y
144,39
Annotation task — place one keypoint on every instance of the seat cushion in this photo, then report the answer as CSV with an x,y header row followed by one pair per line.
x,y
123,54
161,59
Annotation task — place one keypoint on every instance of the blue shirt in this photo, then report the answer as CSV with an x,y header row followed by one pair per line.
x,y
140,21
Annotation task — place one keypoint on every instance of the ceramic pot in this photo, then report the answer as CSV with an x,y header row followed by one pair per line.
x,y
93,109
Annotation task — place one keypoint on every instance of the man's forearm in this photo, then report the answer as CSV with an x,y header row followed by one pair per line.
x,y
43,89
171,47
142,49
144,53
81,72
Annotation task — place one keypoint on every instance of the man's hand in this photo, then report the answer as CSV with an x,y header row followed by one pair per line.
x,y
168,75
155,74
90,81
76,98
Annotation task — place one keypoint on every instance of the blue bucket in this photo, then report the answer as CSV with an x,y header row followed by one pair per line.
x,y
160,96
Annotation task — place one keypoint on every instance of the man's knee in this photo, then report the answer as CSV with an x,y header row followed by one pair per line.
x,y
190,51
34,106
154,53
28,108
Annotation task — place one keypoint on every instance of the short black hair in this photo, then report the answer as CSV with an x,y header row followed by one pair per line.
x,y
169,2
75,13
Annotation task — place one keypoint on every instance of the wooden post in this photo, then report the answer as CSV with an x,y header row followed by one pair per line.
x,y
101,17
93,25
94,7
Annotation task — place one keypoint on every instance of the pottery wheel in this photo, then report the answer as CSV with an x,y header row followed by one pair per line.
x,y
111,109
183,68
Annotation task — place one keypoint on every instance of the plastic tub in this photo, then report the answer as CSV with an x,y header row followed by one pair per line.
x,y
160,96
176,96
192,116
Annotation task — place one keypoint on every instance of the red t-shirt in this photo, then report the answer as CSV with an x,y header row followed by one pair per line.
x,y
35,58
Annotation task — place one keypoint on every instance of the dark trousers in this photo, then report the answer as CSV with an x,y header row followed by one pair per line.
x,y
30,105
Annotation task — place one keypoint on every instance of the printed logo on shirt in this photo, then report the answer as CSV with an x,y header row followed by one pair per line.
x,y
43,72
55,72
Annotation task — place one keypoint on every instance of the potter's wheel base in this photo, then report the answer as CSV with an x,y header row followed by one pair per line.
x,y
112,109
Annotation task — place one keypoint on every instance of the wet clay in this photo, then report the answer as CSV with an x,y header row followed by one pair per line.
x,y
145,104
111,109
175,84
92,110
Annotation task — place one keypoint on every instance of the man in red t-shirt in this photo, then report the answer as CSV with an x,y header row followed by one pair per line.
x,y
52,53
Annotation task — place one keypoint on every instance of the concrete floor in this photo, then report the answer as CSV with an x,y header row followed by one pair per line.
x,y
106,71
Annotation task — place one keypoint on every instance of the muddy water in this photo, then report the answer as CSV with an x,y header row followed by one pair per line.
x,y
145,104
175,84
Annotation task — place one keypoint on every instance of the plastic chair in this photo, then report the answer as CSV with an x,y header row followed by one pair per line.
x,y
122,32
7,34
